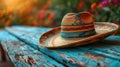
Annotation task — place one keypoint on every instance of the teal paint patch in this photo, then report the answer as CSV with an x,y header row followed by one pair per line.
x,y
99,54
22,55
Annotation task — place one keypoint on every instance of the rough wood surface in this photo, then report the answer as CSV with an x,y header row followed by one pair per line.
x,y
101,54
2,54
23,55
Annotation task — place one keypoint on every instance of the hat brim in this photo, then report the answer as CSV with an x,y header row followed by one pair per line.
x,y
52,38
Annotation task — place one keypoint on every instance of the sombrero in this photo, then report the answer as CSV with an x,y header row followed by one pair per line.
x,y
77,29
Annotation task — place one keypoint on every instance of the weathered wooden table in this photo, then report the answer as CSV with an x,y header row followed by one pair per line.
x,y
22,46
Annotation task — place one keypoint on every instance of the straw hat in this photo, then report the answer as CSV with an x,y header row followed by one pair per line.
x,y
77,29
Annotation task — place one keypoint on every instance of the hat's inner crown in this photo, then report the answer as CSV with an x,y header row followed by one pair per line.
x,y
76,25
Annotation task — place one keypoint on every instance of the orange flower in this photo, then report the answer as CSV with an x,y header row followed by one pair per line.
x,y
93,5
51,16
99,6
41,15
46,5
80,5
8,23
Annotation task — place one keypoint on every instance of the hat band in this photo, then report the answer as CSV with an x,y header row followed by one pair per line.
x,y
77,28
77,34
63,24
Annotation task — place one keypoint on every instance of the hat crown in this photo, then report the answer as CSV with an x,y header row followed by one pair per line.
x,y
75,25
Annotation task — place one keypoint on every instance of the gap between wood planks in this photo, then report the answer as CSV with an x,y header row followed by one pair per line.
x,y
4,59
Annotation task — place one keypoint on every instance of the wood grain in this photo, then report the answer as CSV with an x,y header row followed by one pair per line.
x,y
22,55
99,54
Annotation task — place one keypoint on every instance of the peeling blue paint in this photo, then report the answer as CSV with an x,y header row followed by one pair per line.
x,y
19,53
101,54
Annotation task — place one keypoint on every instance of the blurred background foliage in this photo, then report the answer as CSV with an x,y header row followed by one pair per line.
x,y
49,13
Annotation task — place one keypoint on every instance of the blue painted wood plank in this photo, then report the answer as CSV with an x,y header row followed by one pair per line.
x,y
104,53
23,55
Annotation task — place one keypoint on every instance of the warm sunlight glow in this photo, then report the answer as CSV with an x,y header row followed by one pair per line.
x,y
18,5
